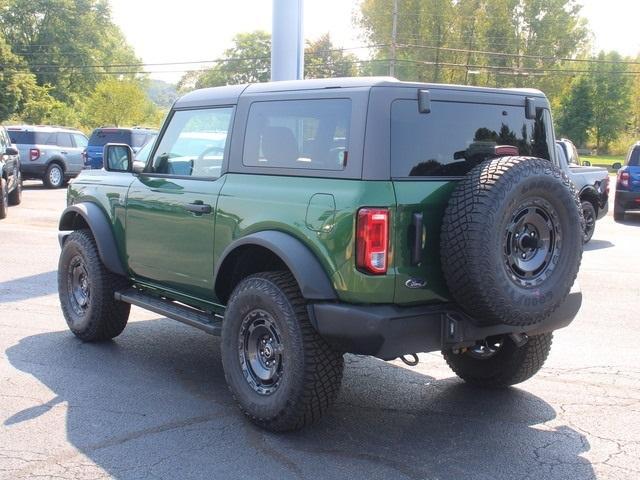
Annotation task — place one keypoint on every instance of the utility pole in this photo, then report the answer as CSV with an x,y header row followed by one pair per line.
x,y
287,40
394,36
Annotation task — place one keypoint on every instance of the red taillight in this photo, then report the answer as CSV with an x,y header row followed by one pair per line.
x,y
623,179
34,154
372,246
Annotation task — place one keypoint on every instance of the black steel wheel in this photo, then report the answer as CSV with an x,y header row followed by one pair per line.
x,y
532,243
589,213
260,351
283,375
86,290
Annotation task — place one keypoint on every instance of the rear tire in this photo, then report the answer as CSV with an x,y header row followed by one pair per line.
x,y
86,290
4,199
54,176
283,375
15,197
509,365
511,241
589,213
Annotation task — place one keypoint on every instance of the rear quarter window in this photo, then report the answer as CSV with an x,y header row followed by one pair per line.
x,y
298,134
455,137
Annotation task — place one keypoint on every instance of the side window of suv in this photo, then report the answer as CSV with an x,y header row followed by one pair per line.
x,y
64,140
303,134
194,143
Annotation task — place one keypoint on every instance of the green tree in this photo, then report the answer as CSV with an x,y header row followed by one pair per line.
x,y
16,82
67,44
120,103
611,98
447,40
323,60
247,61
576,117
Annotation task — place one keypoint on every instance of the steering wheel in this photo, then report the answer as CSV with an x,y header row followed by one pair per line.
x,y
210,150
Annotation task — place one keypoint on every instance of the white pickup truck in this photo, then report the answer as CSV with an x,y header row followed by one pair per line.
x,y
592,183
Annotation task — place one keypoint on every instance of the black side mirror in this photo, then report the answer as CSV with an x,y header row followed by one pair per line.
x,y
11,151
117,157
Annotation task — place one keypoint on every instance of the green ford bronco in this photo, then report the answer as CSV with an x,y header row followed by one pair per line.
x,y
302,220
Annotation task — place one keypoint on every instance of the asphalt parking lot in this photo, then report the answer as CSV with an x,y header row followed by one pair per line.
x,y
153,403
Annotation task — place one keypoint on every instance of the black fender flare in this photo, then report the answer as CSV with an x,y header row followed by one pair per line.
x,y
590,193
312,279
100,228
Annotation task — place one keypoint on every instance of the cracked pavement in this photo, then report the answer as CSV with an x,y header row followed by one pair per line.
x,y
153,404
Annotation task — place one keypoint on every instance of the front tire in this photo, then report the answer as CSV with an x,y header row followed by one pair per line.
x,y
499,362
54,176
283,375
86,290
589,213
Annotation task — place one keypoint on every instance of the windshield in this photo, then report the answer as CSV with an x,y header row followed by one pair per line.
x,y
144,152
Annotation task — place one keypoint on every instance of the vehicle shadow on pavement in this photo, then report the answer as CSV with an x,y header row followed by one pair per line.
x,y
598,245
33,286
154,403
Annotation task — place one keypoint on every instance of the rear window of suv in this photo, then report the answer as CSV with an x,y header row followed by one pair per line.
x,y
634,157
454,137
100,138
300,134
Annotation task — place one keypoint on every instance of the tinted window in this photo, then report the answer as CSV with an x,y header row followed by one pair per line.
x,y
194,143
310,134
81,140
634,157
455,137
100,138
31,138
64,140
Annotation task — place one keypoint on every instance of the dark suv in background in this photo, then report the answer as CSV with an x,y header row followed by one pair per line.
x,y
50,154
135,137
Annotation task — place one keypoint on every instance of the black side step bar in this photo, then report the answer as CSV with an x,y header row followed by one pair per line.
x,y
196,318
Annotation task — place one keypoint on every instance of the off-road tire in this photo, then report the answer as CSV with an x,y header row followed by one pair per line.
x,y
48,181
15,197
508,366
476,235
104,317
312,370
589,214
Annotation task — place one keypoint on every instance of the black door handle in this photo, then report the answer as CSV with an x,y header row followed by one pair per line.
x,y
198,207
63,153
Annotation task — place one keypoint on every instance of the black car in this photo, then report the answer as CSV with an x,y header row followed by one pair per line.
x,y
10,180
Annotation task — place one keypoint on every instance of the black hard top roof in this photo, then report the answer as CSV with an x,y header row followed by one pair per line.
x,y
230,94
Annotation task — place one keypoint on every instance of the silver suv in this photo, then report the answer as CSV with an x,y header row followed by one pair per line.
x,y
50,154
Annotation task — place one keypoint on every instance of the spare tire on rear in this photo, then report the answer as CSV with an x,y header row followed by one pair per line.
x,y
511,242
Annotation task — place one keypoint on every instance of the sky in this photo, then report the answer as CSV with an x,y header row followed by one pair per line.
x,y
197,30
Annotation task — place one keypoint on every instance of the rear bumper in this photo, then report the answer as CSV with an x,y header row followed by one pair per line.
x,y
389,331
627,200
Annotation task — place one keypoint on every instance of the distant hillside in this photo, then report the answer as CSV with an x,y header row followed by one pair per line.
x,y
162,93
